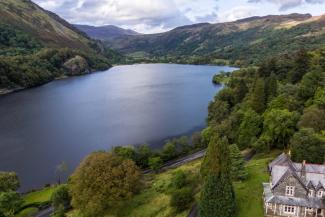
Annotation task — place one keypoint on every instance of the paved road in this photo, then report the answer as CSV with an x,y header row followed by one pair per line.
x,y
45,213
179,162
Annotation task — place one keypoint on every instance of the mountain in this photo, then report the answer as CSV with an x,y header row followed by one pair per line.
x,y
37,46
44,25
242,42
105,32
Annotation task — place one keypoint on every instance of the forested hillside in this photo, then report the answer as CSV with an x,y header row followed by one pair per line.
x,y
243,42
37,46
280,104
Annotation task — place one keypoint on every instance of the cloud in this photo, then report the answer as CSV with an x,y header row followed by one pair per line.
x,y
288,4
238,12
141,15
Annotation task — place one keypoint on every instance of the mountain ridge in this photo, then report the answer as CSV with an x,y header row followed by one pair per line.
x,y
243,42
104,32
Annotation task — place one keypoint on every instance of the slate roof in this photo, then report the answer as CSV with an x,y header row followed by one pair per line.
x,y
269,197
314,173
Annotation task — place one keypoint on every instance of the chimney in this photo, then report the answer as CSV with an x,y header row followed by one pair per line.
x,y
303,169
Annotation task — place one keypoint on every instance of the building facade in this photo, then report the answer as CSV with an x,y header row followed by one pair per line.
x,y
295,189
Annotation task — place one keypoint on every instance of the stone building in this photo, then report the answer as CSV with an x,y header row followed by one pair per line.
x,y
295,189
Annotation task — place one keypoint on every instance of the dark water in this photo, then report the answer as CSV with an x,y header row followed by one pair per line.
x,y
66,120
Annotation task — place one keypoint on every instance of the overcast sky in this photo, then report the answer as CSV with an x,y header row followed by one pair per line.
x,y
151,16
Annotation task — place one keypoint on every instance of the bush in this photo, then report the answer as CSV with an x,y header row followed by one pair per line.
x,y
61,198
181,199
8,181
155,163
179,179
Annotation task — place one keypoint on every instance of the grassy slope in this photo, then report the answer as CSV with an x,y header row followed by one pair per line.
x,y
37,197
41,196
249,193
153,201
43,25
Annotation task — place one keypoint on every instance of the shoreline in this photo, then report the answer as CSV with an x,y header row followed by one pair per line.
x,y
5,91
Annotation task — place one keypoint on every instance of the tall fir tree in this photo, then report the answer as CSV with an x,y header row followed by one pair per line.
x,y
258,96
238,170
217,198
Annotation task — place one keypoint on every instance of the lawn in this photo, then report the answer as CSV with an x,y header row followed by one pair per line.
x,y
249,193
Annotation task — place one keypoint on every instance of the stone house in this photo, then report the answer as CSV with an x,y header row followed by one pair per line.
x,y
295,189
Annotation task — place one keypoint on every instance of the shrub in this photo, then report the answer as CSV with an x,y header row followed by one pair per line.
x,y
181,199
179,179
61,198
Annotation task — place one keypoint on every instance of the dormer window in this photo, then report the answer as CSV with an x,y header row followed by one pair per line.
x,y
311,193
320,194
290,190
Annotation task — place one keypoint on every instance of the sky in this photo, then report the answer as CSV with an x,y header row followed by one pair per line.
x,y
152,16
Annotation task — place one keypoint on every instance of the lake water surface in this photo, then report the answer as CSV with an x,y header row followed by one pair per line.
x,y
67,119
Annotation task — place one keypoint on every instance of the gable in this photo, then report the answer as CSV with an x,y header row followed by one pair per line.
x,y
290,180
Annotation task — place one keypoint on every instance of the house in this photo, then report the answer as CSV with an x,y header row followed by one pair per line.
x,y
295,189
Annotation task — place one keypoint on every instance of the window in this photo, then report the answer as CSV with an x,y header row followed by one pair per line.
x,y
309,209
290,190
320,194
289,209
311,193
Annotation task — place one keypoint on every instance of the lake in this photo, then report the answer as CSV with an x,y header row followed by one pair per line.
x,y
67,119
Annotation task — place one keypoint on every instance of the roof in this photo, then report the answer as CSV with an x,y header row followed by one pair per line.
x,y
269,197
282,166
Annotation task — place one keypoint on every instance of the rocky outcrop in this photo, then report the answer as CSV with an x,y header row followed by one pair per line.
x,y
76,66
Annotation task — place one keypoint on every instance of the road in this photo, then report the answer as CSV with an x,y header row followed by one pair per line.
x,y
45,213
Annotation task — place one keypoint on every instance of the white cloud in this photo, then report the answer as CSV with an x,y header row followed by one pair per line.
x,y
238,13
287,4
141,15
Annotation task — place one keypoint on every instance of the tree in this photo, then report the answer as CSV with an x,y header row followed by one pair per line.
x,y
9,181
319,98
61,198
181,199
61,169
217,197
279,125
258,96
218,111
10,203
102,181
249,129
306,145
238,170
271,87
313,117
142,155
197,140
126,152
169,151
155,163
301,65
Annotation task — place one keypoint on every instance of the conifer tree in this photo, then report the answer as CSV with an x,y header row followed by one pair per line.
x,y
238,170
258,96
217,198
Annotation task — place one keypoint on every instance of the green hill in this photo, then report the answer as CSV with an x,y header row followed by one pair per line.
x,y
243,42
37,46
